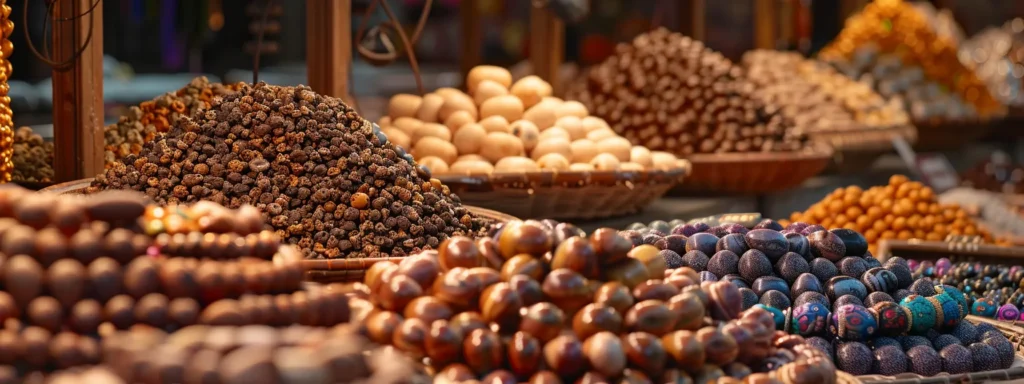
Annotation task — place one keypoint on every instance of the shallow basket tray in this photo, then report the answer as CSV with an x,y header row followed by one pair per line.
x,y
1015,373
856,150
946,135
571,195
317,270
754,173
955,251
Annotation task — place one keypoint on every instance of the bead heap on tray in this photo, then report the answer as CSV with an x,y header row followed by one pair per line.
x,y
825,285
993,291
33,157
510,127
543,302
326,180
80,267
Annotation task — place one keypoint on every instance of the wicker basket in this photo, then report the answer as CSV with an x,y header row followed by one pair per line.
x,y
564,195
754,173
939,136
857,150
317,270
953,250
1012,331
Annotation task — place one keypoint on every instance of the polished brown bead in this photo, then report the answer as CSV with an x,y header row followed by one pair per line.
x,y
594,318
456,373
545,377
428,309
645,351
708,373
688,309
652,259
443,344
564,356
421,268
654,289
529,290
593,378
632,376
567,289
788,341
680,281
381,325
467,322
483,350
452,288
378,274
651,316
488,248
605,353
684,348
523,264
398,293
543,320
630,272
500,304
499,377
525,354
527,237
610,247
720,348
577,254
459,251
761,378
616,295
410,337
482,277
676,376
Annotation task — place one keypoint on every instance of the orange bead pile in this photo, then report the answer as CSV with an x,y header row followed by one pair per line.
x,y
902,210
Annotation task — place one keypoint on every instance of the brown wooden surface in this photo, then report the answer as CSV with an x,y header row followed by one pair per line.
x,y
329,46
766,15
547,45
472,36
697,13
78,91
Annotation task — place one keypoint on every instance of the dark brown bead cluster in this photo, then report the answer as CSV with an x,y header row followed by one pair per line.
x,y
33,157
254,355
325,178
816,97
540,302
35,348
143,123
75,263
671,93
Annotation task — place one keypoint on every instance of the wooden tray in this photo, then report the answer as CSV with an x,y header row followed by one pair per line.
x,y
856,150
564,195
954,251
318,270
941,135
1016,372
754,173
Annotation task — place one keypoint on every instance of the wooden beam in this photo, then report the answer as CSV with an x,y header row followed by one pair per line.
x,y
697,15
472,36
329,47
547,45
78,91
766,17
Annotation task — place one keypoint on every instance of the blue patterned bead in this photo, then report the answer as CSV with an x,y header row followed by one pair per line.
x,y
947,309
892,318
777,315
984,307
955,294
922,313
809,319
853,322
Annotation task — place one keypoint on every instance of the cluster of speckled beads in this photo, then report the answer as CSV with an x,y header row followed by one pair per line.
x,y
986,307
6,115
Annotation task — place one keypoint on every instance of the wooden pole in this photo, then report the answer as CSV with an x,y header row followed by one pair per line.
x,y
547,45
329,46
766,17
78,91
472,36
697,15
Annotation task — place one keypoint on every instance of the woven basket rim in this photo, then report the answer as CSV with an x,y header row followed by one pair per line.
x,y
1013,331
560,179
870,139
816,151
944,249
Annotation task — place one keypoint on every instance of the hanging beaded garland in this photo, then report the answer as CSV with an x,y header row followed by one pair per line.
x,y
6,118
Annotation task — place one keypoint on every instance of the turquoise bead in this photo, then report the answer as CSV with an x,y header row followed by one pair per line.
x,y
777,315
947,309
985,308
922,313
853,322
955,294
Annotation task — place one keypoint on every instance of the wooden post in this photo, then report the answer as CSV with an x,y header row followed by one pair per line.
x,y
78,91
329,46
766,17
472,36
547,45
697,15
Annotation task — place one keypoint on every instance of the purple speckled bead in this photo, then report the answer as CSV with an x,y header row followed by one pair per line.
x,y
797,226
912,264
735,228
685,230
1014,269
1008,312
811,229
708,276
942,266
